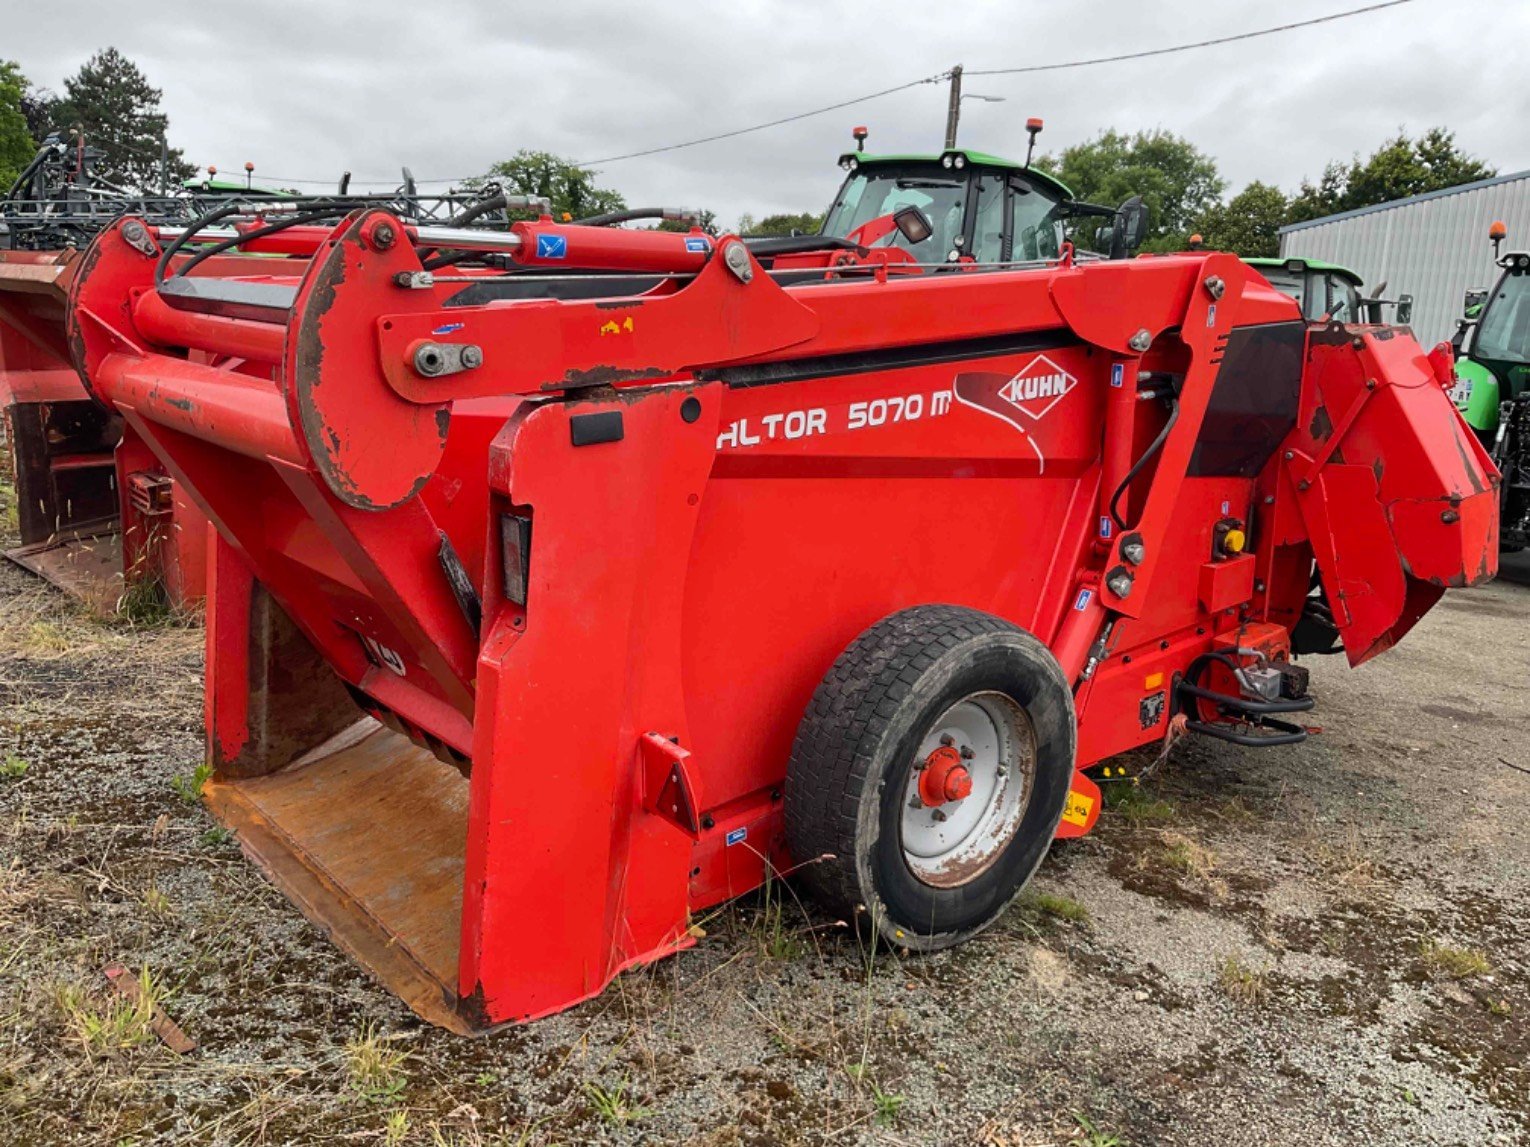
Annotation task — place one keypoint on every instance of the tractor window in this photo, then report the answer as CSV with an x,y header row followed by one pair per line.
x,y
988,225
1035,223
1504,333
1328,294
1292,284
872,194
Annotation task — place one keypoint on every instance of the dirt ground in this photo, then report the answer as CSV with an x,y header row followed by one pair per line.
x,y
1322,944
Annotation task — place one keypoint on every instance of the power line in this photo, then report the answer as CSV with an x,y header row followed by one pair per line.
x,y
940,78
1187,47
772,123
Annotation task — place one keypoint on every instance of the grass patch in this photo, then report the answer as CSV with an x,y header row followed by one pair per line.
x,y
110,1024
1047,904
615,1105
1188,856
1446,963
1137,805
156,902
886,1105
777,941
374,1069
1088,1133
1241,983
216,837
13,768
189,786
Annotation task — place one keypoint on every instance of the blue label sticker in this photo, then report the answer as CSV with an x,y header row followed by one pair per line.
x,y
1117,374
552,247
1211,315
1107,527
737,836
697,245
448,328
1085,596
1226,506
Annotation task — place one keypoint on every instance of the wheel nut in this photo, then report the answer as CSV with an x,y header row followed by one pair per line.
x,y
967,753
938,815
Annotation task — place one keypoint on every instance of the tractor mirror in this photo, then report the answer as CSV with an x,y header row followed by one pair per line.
x,y
1130,227
913,224
1404,309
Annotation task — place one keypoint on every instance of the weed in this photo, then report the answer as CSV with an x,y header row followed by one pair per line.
x,y
1443,962
887,1105
145,602
484,1079
1188,856
1242,983
1137,804
1089,1134
13,768
777,941
1058,907
216,837
112,1024
615,1105
396,1127
157,903
189,787
374,1070
1499,1008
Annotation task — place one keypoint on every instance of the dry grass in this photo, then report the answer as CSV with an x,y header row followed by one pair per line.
x,y
1446,963
1241,983
374,1068
106,1023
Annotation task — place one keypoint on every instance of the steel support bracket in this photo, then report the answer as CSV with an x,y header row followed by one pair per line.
x,y
670,788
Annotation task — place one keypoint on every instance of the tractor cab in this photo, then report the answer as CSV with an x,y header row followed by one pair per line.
x,y
974,207
1492,391
1319,288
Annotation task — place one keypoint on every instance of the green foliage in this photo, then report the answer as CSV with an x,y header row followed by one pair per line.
x,y
615,1105
803,222
111,101
707,222
189,787
13,768
1398,168
886,1105
571,188
16,146
1176,181
1248,224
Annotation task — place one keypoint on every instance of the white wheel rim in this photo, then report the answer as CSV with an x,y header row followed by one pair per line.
x,y
951,843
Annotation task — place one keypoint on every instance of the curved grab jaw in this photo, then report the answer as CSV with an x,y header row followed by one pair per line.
x,y
1400,499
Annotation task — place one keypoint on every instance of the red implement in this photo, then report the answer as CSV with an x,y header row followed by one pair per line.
x,y
688,577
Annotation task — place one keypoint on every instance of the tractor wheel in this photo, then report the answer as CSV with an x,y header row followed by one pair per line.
x,y
929,774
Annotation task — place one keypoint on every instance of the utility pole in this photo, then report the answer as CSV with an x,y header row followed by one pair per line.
x,y
953,113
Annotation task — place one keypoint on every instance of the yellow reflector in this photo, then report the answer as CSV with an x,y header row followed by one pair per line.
x,y
1152,681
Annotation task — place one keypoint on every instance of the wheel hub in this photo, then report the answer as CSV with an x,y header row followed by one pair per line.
x,y
944,778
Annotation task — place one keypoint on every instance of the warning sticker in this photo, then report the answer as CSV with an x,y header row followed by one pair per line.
x,y
696,245
552,247
1078,808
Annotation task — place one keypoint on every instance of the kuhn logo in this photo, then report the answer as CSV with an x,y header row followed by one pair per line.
x,y
1037,387
1032,391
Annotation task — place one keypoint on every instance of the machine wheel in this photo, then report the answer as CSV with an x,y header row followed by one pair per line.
x,y
929,774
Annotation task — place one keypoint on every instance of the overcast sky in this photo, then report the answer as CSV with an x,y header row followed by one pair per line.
x,y
309,88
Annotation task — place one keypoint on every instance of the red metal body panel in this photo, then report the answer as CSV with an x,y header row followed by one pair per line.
x,y
723,491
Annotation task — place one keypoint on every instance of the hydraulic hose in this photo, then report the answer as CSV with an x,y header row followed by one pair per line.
x,y
626,215
1147,455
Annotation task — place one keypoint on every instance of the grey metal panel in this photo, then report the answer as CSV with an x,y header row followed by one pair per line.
x,y
1433,247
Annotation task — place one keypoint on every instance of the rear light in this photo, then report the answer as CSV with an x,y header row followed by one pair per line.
x,y
515,555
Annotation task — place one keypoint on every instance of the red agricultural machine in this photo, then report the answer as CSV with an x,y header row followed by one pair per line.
x,y
566,581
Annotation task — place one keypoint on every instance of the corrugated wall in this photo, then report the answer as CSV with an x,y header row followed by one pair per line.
x,y
1433,247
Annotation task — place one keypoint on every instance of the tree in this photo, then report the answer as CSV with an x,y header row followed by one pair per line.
x,y
1248,224
1400,167
111,102
571,188
1176,181
16,146
707,222
804,222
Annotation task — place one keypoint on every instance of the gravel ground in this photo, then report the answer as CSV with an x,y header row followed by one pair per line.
x,y
1324,944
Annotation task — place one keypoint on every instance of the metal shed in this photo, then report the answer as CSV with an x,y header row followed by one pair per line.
x,y
1434,247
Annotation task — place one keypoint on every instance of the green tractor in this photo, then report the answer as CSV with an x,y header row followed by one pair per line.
x,y
1492,389
965,206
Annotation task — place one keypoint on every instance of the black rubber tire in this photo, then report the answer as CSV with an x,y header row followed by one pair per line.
x,y
855,747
